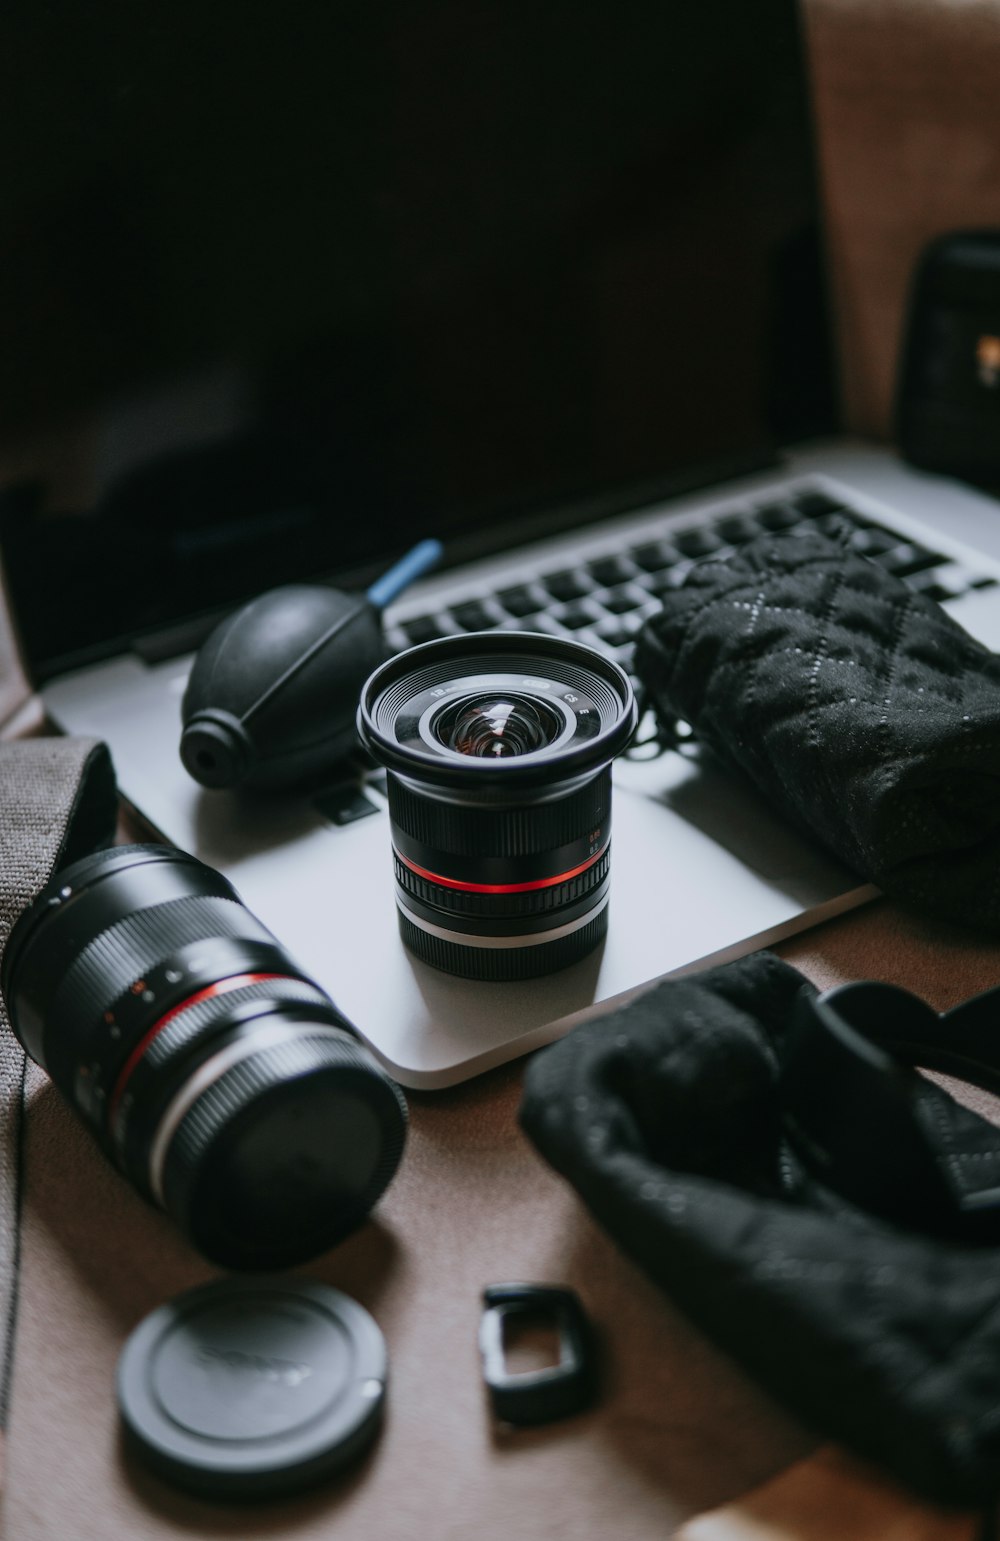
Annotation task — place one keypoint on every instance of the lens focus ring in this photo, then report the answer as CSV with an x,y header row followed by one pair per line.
x,y
225,1154
515,906
122,953
521,831
148,1083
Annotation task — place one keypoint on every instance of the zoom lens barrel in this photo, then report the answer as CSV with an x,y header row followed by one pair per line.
x,y
219,1078
498,748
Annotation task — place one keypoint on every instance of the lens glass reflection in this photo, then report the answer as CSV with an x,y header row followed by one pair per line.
x,y
497,727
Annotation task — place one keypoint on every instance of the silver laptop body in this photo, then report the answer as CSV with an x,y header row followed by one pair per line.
x,y
702,870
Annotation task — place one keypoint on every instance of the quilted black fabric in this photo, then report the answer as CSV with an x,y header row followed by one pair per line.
x,y
857,706
665,1118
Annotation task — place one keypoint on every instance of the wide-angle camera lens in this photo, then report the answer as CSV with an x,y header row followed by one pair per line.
x,y
219,1078
498,748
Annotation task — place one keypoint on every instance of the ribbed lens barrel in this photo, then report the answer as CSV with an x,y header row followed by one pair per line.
x,y
502,893
220,1079
498,750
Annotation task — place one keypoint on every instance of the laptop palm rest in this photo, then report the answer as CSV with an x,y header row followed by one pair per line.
x,y
701,870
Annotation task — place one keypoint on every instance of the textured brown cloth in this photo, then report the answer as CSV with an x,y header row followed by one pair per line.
x,y
906,108
57,802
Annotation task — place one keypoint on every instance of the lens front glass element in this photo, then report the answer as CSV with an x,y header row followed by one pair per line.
x,y
498,726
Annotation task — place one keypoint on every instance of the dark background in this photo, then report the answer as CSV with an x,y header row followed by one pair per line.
x,y
313,281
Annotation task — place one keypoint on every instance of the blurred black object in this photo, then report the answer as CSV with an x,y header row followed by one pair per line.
x,y
272,696
273,693
666,1116
948,405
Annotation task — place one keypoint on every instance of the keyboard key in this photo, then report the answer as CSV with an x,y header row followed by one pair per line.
x,y
566,585
473,616
838,524
608,570
522,622
701,541
622,601
906,558
872,538
737,529
663,583
778,516
574,617
518,601
654,556
616,635
812,503
424,628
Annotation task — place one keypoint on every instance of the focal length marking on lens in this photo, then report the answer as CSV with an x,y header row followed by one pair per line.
x,y
219,987
502,888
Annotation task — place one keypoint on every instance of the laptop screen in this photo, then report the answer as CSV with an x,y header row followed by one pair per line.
x,y
284,289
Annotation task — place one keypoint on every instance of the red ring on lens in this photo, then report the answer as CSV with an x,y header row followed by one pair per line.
x,y
501,888
218,987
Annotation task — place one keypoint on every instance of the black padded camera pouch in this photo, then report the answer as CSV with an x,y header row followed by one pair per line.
x,y
857,706
666,1117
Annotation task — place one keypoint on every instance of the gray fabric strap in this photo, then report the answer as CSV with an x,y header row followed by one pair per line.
x,y
57,802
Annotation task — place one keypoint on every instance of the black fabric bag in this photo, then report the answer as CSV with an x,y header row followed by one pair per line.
x,y
858,707
666,1118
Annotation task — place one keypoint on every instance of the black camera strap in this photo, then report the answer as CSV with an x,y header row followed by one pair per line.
x,y
865,1122
814,1204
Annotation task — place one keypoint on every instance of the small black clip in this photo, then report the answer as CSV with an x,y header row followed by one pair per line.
x,y
537,1396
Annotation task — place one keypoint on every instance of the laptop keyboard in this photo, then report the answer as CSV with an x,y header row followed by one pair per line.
x,y
605,600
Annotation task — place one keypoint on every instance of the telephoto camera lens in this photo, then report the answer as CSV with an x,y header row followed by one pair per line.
x,y
219,1078
498,748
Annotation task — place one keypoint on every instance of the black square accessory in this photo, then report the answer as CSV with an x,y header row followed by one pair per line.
x,y
948,402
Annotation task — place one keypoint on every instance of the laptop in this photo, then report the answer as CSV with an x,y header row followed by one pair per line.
x,y
545,284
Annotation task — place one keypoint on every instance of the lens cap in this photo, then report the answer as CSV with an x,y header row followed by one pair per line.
x,y
248,1389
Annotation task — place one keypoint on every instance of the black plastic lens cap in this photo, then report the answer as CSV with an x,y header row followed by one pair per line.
x,y
246,1389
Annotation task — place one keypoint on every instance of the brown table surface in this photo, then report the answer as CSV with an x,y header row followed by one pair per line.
x,y
678,1429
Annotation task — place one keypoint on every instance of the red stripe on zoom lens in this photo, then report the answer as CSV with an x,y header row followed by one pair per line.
x,y
501,888
219,987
